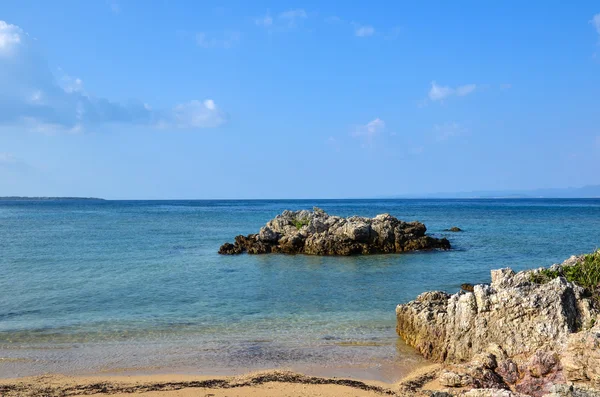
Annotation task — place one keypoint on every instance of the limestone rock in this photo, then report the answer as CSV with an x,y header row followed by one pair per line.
x,y
513,333
317,233
581,359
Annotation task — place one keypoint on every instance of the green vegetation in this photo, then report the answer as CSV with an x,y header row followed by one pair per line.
x,y
544,276
586,274
300,222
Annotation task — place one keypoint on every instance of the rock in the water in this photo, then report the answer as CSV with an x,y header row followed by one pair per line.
x,y
453,229
317,233
514,333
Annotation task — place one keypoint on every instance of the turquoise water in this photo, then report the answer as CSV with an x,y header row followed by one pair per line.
x,y
89,285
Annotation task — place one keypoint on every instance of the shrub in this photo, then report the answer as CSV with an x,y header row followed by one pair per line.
x,y
586,274
300,222
544,276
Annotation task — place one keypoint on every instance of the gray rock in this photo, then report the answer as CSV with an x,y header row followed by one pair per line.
x,y
317,233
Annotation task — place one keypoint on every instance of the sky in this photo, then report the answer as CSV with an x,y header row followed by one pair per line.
x,y
128,99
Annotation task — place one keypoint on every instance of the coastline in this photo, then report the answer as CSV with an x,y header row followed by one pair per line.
x,y
261,383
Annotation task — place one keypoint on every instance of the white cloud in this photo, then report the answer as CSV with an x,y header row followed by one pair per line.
x,y
293,15
369,131
505,86
438,92
33,97
228,40
596,22
465,89
10,37
197,114
70,83
364,31
284,20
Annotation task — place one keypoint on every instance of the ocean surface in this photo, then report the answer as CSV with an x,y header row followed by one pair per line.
x,y
91,286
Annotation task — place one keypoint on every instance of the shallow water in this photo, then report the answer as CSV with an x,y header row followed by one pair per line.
x,y
89,286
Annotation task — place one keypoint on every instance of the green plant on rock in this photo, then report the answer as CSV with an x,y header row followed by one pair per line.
x,y
300,222
543,276
585,273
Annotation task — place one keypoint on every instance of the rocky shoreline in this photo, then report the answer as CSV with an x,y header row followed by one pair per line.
x,y
531,333
317,233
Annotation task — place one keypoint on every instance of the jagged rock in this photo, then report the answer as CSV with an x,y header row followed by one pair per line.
x,y
513,332
491,393
571,390
453,379
581,359
317,233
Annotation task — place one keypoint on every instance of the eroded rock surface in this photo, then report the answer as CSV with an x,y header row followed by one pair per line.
x,y
514,334
317,233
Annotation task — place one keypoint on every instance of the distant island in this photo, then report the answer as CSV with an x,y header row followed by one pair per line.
x,y
21,198
590,191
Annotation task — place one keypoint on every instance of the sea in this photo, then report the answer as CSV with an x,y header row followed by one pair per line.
x,y
91,286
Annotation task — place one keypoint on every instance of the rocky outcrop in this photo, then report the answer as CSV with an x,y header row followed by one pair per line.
x,y
317,233
514,334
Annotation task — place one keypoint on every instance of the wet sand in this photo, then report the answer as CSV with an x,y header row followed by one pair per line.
x,y
264,383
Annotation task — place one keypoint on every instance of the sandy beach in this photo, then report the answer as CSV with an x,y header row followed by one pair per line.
x,y
263,383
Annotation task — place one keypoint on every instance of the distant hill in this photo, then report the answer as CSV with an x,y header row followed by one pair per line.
x,y
19,198
590,191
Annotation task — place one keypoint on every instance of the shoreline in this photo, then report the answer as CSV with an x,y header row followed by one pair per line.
x,y
273,382
384,360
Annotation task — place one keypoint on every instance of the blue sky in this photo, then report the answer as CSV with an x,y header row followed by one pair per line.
x,y
159,99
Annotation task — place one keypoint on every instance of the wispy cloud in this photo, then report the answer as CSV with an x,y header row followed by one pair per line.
x,y
284,20
36,98
266,21
465,89
448,130
292,15
114,7
196,114
10,37
596,22
438,92
227,40
369,131
364,31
